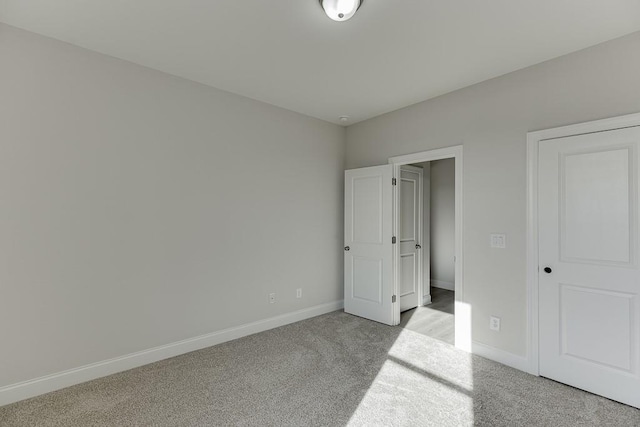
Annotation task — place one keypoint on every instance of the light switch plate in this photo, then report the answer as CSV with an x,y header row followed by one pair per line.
x,y
498,241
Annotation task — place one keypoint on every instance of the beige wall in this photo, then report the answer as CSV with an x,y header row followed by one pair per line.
x,y
491,120
138,209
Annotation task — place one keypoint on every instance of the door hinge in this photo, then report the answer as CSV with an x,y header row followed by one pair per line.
x,y
393,240
393,181
393,299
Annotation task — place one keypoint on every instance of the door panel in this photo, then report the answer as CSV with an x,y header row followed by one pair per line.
x,y
579,331
595,222
589,311
408,207
367,279
367,209
368,254
408,283
410,274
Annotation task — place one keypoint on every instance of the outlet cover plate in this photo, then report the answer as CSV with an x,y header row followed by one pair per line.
x,y
498,240
494,323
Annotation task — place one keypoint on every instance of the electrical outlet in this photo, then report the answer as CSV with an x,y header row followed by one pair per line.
x,y
299,293
272,298
494,323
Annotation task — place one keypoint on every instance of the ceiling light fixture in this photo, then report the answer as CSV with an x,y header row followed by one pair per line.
x,y
340,10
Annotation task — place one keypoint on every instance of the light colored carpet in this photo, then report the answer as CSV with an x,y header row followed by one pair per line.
x,y
332,370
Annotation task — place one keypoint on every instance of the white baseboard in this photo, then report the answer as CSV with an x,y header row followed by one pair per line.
x,y
426,299
518,362
450,286
30,388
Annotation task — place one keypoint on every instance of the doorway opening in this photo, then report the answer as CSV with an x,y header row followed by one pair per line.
x,y
428,256
427,248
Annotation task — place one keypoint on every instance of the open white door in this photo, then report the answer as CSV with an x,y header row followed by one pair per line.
x,y
410,217
589,283
368,248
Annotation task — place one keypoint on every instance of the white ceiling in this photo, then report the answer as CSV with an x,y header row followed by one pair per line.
x,y
393,53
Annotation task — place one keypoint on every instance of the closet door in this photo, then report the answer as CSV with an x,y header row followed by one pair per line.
x,y
589,283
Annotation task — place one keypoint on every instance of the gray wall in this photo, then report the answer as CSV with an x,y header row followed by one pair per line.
x,y
442,222
139,209
491,120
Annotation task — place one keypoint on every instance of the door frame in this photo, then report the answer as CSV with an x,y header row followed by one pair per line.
x,y
533,143
462,310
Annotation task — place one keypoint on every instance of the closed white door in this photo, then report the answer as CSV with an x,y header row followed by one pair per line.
x,y
368,250
410,236
589,281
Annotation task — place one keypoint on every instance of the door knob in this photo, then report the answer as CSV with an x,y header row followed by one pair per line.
x,y
547,270
346,248
418,246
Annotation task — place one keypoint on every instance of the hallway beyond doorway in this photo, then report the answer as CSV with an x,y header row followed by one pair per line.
x,y
435,320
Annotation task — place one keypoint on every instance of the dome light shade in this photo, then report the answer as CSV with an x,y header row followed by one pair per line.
x,y
340,10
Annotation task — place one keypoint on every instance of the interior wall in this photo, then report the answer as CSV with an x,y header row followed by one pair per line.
x,y
491,120
443,223
139,209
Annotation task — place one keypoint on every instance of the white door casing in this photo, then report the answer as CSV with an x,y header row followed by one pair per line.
x,y
368,251
410,237
462,308
589,298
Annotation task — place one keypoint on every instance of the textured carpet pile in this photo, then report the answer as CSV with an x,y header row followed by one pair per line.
x,y
332,370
